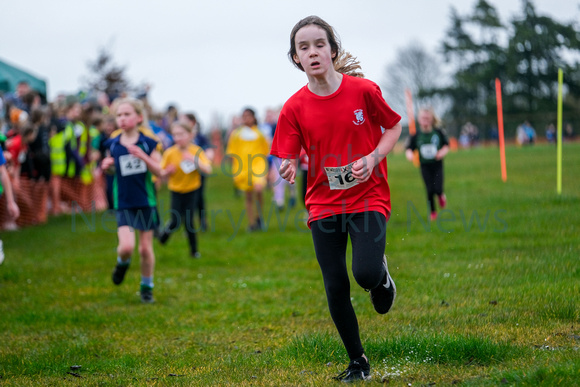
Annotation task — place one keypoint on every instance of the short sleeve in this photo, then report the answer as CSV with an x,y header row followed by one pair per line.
x,y
380,111
199,153
443,136
202,156
286,143
152,144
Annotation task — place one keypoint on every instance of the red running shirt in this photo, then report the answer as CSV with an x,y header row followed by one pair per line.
x,y
336,130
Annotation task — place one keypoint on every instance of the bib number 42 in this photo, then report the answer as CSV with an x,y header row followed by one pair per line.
x,y
131,165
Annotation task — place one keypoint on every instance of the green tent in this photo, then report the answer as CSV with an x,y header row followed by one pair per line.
x,y
10,76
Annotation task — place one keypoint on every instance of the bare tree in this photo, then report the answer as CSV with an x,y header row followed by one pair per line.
x,y
106,76
417,70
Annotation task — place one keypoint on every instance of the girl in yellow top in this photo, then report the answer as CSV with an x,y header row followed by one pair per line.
x,y
248,150
183,163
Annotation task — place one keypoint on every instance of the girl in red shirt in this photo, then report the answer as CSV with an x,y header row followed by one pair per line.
x,y
346,128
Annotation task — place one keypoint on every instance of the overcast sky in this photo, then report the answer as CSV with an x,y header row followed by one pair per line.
x,y
216,56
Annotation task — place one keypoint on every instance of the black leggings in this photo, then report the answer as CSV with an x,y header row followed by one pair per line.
x,y
367,232
182,210
200,207
433,178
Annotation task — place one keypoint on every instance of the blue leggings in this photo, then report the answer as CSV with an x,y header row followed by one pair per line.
x,y
367,231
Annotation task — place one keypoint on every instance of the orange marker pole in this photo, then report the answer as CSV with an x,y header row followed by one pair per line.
x,y
412,128
410,113
500,129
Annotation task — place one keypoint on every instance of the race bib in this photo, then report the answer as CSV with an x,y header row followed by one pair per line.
x,y
187,166
340,177
428,151
247,134
131,165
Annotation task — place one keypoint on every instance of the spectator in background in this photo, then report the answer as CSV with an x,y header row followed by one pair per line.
x,y
39,162
569,132
2,114
171,115
91,114
25,174
494,134
31,101
7,193
106,128
15,145
16,99
525,134
76,176
469,135
155,122
530,132
103,102
59,154
551,133
521,137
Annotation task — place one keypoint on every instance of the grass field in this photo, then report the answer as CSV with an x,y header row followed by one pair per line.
x,y
488,295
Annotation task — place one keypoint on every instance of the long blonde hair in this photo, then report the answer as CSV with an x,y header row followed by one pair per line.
x,y
347,64
437,123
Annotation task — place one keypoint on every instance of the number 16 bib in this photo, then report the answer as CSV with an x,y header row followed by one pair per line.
x,y
340,177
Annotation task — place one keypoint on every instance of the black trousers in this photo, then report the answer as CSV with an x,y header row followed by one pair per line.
x,y
182,210
433,177
367,231
200,206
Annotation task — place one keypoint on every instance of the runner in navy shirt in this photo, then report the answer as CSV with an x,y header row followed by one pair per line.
x,y
135,159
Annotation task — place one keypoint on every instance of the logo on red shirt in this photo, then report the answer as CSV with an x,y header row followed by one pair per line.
x,y
360,118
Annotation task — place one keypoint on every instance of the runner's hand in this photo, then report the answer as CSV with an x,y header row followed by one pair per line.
x,y
363,168
107,163
137,152
288,170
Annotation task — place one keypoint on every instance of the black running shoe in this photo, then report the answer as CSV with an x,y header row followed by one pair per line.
x,y
119,273
358,369
146,294
256,226
383,296
163,236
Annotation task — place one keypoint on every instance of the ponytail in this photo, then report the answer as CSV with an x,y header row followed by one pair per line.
x,y
345,63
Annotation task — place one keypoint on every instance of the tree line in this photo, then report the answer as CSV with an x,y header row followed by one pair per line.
x,y
524,53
